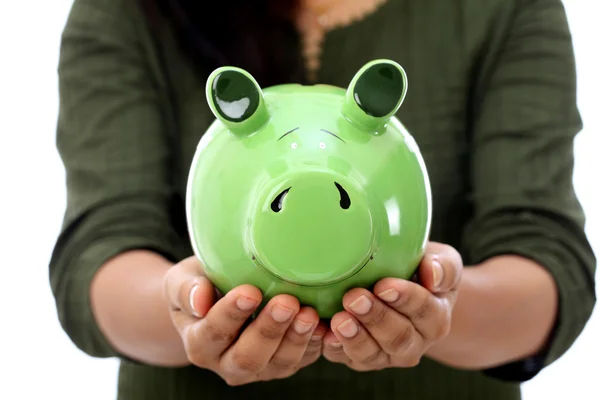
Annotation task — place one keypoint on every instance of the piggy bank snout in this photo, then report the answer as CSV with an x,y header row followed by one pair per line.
x,y
312,228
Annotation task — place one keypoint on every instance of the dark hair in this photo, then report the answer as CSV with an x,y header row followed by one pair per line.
x,y
258,36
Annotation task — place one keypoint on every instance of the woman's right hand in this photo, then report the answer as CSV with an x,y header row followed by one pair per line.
x,y
282,339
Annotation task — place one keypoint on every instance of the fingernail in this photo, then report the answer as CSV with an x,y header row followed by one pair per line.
x,y
316,338
337,345
280,313
192,302
362,305
245,304
390,295
438,273
348,328
302,327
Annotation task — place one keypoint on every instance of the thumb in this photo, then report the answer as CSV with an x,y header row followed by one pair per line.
x,y
441,268
187,288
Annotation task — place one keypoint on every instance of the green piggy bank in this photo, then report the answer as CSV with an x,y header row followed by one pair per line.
x,y
308,190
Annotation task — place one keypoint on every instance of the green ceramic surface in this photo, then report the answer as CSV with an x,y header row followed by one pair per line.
x,y
308,190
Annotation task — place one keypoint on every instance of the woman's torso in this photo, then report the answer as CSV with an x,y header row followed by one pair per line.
x,y
446,48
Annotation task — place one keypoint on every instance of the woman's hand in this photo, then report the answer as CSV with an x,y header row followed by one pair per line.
x,y
282,339
397,324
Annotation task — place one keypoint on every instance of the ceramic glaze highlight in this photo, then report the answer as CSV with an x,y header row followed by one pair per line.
x,y
308,190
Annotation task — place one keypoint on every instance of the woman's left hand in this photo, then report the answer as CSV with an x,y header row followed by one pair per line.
x,y
396,324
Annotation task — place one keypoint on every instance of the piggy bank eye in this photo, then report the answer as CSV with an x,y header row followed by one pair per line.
x,y
375,95
236,99
379,89
235,96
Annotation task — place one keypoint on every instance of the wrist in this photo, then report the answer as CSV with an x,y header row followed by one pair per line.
x,y
498,319
132,311
452,349
168,345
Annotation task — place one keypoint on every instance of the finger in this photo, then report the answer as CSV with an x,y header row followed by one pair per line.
x,y
179,281
210,337
259,341
194,299
315,346
394,332
357,343
333,350
429,314
188,290
290,352
440,270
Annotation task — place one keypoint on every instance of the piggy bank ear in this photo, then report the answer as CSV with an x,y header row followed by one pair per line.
x,y
235,98
375,94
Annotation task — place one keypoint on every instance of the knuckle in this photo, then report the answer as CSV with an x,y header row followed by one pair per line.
x,y
335,354
411,361
311,356
332,357
230,382
372,358
196,359
362,351
216,334
402,339
196,356
233,381
284,373
378,314
283,365
360,342
335,350
234,315
246,364
404,301
315,345
193,347
295,340
269,333
415,360
313,350
410,357
359,367
306,362
422,310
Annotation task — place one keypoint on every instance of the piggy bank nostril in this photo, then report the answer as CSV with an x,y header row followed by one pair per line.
x,y
344,197
277,203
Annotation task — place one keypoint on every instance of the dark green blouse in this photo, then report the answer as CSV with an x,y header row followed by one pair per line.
x,y
491,103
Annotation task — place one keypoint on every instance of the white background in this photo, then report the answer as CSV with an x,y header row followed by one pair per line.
x,y
36,358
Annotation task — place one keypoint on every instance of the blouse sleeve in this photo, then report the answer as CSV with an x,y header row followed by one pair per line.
x,y
118,161
521,166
